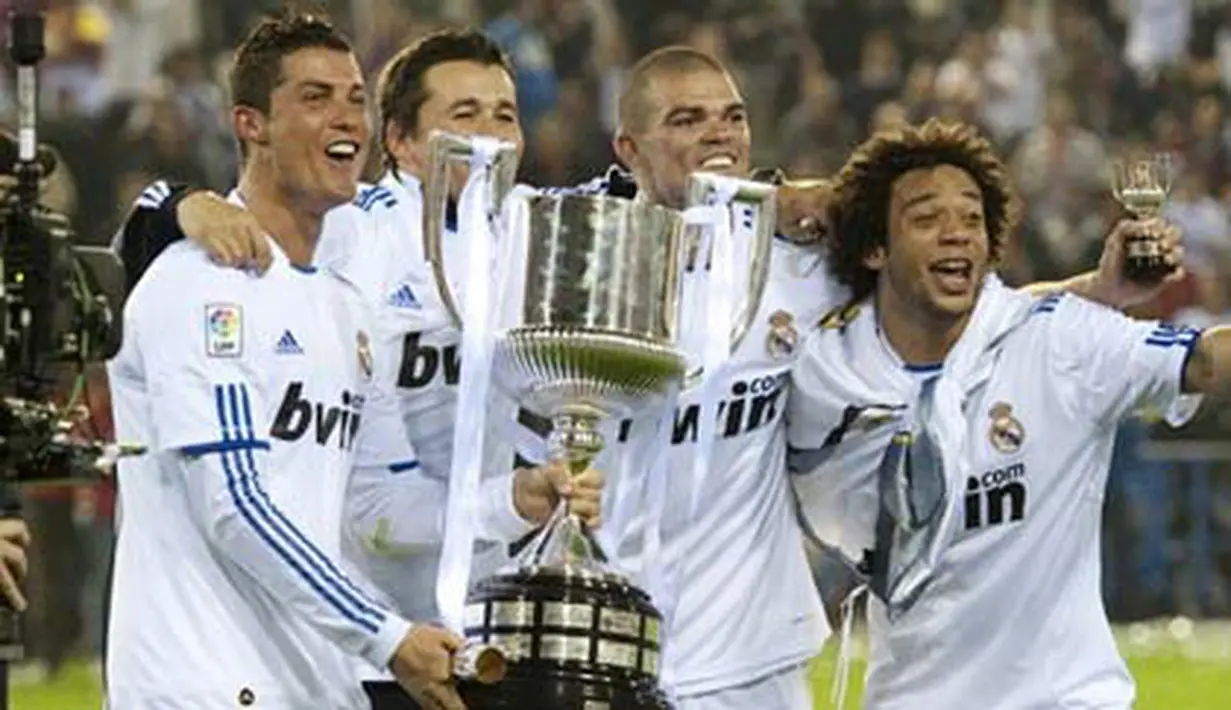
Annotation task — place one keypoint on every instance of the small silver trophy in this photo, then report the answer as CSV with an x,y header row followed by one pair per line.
x,y
1142,187
595,335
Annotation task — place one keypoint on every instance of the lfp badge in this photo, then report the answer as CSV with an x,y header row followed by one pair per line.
x,y
224,330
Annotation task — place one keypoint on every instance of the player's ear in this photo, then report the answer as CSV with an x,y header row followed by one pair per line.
x,y
877,258
625,148
411,155
250,125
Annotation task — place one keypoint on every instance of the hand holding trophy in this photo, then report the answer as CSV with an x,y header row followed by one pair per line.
x,y
1142,187
573,311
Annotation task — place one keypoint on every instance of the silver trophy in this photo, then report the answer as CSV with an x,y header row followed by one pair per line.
x,y
596,335
1142,188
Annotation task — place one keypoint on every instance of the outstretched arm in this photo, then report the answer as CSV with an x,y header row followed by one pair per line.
x,y
1107,284
167,212
1208,369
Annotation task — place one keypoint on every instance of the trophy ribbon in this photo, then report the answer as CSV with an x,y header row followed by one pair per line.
x,y
717,284
476,221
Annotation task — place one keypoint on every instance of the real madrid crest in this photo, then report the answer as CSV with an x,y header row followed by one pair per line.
x,y
364,350
783,338
1006,433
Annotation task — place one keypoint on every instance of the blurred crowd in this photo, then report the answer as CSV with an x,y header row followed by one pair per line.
x,y
132,89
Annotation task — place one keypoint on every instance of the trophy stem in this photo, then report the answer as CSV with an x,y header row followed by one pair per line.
x,y
575,438
575,441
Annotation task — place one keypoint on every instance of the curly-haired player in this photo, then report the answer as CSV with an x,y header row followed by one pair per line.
x,y
863,192
955,435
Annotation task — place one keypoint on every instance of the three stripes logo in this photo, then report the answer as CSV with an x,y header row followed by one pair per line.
x,y
1170,336
1048,304
374,195
404,297
154,195
315,571
287,345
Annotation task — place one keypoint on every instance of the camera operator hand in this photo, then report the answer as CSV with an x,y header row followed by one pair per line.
x,y
14,537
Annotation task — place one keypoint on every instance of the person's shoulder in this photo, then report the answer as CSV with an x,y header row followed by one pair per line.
x,y
373,198
184,268
613,182
801,271
1062,311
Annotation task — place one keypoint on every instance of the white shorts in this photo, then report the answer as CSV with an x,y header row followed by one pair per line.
x,y
785,690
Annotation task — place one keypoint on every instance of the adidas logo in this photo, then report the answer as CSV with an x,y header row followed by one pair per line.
x,y
287,345
404,298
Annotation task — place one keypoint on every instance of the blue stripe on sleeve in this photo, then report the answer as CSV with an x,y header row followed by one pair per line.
x,y
218,447
1166,336
403,466
315,557
240,484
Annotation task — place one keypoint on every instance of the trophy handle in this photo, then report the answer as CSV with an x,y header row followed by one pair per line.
x,y
765,197
444,149
1164,167
1118,177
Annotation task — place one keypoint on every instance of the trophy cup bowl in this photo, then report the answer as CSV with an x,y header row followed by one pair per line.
x,y
596,336
1142,187
595,340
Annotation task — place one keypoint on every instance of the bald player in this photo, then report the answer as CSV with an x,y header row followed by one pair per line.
x,y
747,617
745,614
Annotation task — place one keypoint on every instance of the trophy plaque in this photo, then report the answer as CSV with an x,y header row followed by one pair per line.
x,y
1141,187
595,335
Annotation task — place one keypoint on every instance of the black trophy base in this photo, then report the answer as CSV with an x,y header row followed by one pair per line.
x,y
527,694
1144,262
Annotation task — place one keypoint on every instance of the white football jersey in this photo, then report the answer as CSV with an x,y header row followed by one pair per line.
x,y
747,533
746,604
256,397
376,243
1014,617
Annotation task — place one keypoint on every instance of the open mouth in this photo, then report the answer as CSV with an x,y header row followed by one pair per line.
x,y
955,275
342,152
721,161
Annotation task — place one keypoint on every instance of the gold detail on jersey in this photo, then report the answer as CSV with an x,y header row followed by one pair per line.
x,y
1007,433
364,345
840,317
381,542
872,419
783,337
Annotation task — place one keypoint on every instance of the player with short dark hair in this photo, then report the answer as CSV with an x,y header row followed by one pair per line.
x,y
250,394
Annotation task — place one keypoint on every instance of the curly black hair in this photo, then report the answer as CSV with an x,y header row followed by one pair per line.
x,y
859,213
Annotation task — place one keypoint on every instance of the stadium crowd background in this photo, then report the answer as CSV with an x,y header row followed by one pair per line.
x,y
132,90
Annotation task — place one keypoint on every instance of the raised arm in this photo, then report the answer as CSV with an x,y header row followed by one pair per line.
x,y
1107,284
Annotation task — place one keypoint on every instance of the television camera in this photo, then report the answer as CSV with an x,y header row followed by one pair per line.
x,y
60,307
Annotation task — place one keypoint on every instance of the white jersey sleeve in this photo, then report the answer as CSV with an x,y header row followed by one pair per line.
x,y
191,330
1116,365
396,511
382,442
393,505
